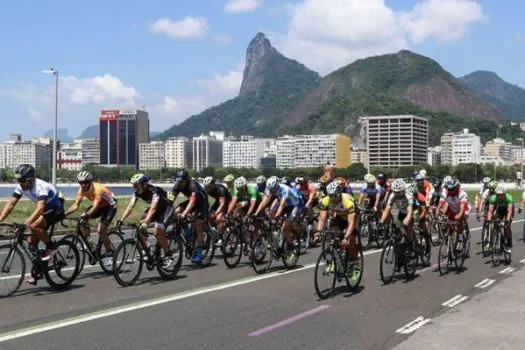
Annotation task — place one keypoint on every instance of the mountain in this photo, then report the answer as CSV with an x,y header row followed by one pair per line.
x,y
62,135
153,134
401,83
90,132
508,99
272,86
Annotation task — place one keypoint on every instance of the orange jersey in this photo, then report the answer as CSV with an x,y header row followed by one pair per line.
x,y
98,192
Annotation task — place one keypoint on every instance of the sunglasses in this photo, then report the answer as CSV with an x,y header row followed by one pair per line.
x,y
84,183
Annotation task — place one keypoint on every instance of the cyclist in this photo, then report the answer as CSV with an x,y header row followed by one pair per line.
x,y
245,198
345,218
454,202
261,183
197,202
435,193
345,185
309,191
483,204
48,211
228,181
386,188
159,211
403,197
286,201
370,192
328,171
522,205
222,199
501,207
423,189
479,196
285,180
103,206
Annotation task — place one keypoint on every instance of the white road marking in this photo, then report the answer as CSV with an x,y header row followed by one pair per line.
x,y
507,270
412,326
522,261
455,301
485,283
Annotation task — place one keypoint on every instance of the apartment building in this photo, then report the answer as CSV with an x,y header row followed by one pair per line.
x,y
178,152
244,152
207,151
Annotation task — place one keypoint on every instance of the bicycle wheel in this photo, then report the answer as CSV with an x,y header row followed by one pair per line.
x,y
305,238
116,239
497,250
422,248
79,244
327,267
128,255
364,232
65,263
176,249
351,282
434,231
485,240
262,253
233,247
388,257
12,269
444,256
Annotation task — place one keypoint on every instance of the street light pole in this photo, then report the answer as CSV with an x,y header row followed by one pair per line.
x,y
55,72
521,156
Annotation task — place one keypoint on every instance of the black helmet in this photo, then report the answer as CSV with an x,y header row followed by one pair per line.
x,y
24,172
381,176
181,174
438,182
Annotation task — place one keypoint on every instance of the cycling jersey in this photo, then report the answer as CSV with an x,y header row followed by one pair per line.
x,y
307,189
342,208
501,202
371,192
40,190
192,189
218,191
153,193
249,195
435,195
385,187
99,192
293,197
454,202
482,189
408,199
426,186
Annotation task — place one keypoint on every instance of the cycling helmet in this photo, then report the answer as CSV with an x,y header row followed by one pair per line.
x,y
500,190
452,184
181,174
209,180
240,182
420,177
399,186
300,180
411,189
492,185
260,180
333,188
139,179
324,179
84,176
447,179
423,172
381,177
229,178
486,180
272,183
370,179
24,172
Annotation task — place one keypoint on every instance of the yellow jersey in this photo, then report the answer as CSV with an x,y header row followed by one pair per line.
x,y
98,192
343,208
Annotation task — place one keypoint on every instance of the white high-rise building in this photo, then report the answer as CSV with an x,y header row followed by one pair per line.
x,y
151,155
460,148
285,152
245,152
207,151
178,152
434,156
36,154
69,156
90,151
270,147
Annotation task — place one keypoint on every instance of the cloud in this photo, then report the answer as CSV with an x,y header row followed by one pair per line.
x,y
239,6
223,86
188,27
328,34
98,90
445,20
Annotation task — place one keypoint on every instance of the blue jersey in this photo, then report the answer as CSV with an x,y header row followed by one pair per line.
x,y
293,196
41,190
371,192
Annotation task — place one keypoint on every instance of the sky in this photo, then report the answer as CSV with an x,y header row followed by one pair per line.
x,y
178,58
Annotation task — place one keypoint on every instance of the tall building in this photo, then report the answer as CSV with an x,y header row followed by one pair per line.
x,y
36,154
434,156
178,152
501,148
207,152
121,132
90,151
359,156
396,140
151,155
460,148
245,152
310,151
69,156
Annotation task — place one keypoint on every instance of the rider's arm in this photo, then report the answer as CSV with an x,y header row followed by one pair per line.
x,y
253,204
351,225
378,197
222,202
40,204
360,200
321,221
408,217
311,196
262,205
232,205
8,208
510,211
281,207
385,214
491,212
129,208
74,207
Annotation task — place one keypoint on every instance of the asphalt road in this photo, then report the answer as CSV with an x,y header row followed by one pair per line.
x,y
220,308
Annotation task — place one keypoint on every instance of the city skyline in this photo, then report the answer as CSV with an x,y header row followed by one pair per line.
x,y
172,73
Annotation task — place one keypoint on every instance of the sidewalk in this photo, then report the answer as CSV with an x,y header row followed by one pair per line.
x,y
491,320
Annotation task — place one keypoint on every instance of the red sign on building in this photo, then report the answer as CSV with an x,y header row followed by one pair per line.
x,y
109,115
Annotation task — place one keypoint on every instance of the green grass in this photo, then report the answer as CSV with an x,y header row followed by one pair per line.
x,y
516,193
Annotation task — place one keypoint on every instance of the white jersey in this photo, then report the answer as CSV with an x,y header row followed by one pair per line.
x,y
454,202
482,189
402,203
40,190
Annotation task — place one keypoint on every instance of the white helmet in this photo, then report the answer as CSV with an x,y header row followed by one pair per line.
x,y
486,180
500,190
272,183
334,187
260,180
399,185
240,182
446,179
84,176
423,172
208,181
420,177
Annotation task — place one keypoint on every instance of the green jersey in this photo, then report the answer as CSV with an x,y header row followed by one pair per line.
x,y
251,194
501,202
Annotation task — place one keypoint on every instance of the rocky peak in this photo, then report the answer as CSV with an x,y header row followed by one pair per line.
x,y
259,47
